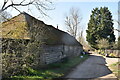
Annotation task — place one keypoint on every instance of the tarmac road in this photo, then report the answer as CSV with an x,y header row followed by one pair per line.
x,y
94,67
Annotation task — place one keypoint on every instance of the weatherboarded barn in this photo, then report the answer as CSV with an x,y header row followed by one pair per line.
x,y
56,44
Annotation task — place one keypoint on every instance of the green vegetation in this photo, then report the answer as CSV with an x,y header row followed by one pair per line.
x,y
118,45
17,54
54,70
100,26
116,69
37,74
67,64
22,47
112,55
103,52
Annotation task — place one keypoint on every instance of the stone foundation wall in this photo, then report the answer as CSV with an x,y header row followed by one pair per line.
x,y
50,53
55,53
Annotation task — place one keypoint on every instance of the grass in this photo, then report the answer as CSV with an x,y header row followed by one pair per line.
x,y
65,66
115,69
55,70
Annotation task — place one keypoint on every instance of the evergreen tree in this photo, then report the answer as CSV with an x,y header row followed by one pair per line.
x,y
100,26
118,43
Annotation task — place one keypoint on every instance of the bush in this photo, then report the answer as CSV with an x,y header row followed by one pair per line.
x,y
17,54
112,55
13,65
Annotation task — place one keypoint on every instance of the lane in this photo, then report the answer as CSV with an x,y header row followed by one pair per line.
x,y
93,67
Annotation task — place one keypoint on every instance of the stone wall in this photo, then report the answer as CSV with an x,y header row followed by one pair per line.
x,y
54,53
72,50
57,44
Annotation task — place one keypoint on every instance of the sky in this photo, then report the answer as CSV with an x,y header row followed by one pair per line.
x,y
61,9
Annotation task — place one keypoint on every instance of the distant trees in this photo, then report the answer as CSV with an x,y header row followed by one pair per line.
x,y
118,42
81,38
4,16
103,44
72,21
40,5
100,26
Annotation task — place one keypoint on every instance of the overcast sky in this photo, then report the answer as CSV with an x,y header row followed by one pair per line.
x,y
57,15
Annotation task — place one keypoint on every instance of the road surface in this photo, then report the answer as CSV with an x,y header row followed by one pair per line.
x,y
94,67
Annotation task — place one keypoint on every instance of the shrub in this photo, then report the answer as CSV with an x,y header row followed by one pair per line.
x,y
13,65
112,55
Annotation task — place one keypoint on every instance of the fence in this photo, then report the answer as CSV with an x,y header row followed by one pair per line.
x,y
115,52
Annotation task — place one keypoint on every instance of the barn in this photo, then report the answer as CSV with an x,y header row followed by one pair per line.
x,y
54,43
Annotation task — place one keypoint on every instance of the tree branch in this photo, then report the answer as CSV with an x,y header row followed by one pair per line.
x,y
5,2
13,4
117,30
16,9
22,1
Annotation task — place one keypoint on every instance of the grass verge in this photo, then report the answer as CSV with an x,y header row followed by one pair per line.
x,y
116,69
55,70
65,66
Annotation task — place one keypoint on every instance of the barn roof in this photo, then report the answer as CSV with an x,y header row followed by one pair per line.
x,y
23,26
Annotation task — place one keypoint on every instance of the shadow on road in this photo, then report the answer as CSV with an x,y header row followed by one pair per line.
x,y
100,68
93,67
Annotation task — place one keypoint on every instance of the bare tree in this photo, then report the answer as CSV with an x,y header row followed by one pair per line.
x,y
117,30
81,38
4,16
40,5
103,44
72,21
118,22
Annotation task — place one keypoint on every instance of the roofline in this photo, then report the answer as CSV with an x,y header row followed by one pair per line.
x,y
24,13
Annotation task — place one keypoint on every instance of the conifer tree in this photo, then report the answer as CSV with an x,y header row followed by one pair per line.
x,y
100,26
